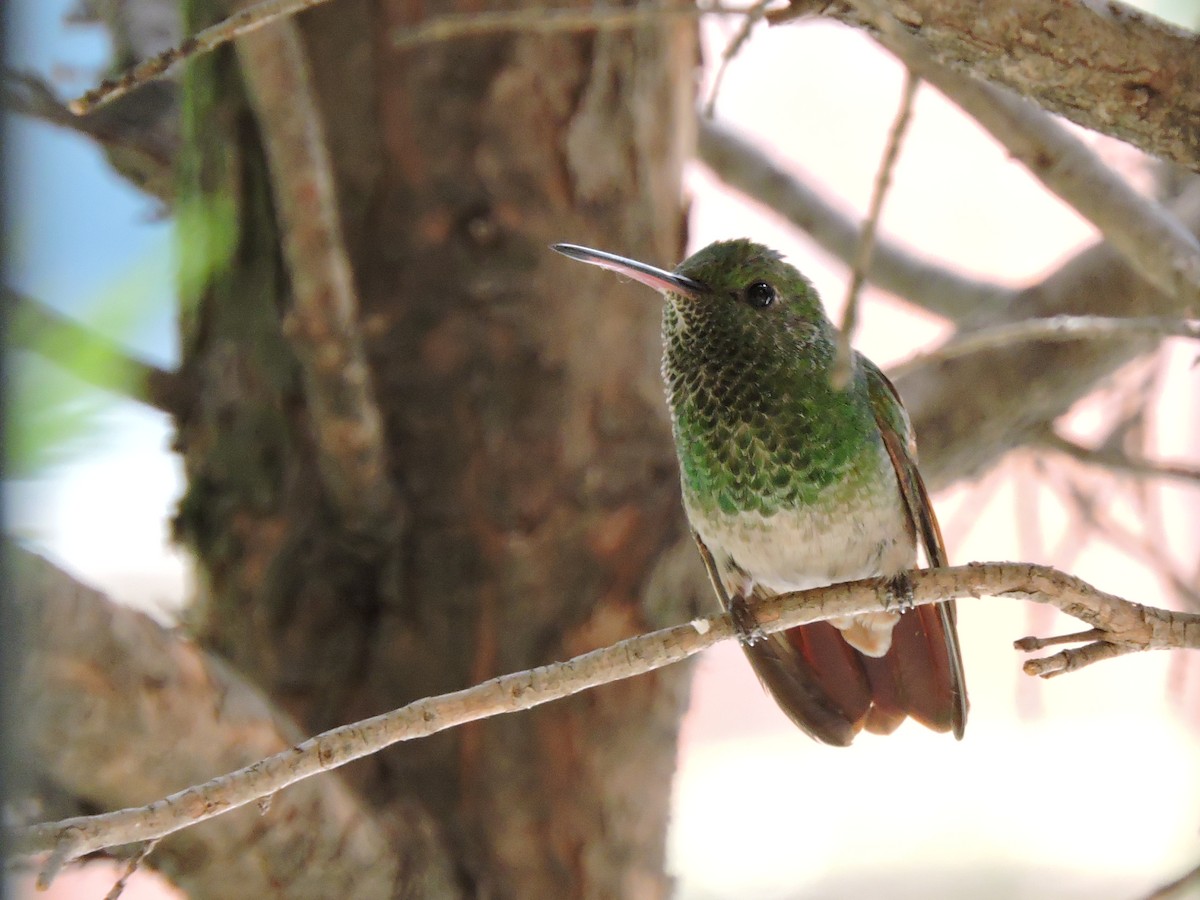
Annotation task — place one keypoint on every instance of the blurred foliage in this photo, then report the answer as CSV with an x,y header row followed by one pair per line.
x,y
56,407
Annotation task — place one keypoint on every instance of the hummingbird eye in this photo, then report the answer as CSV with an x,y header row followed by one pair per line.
x,y
760,295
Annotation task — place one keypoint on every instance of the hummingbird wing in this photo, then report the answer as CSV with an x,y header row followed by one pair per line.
x,y
923,669
812,673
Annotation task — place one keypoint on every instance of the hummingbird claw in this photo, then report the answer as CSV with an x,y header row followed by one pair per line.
x,y
898,589
749,631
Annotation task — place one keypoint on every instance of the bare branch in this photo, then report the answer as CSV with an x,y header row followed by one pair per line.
x,y
551,21
741,165
131,867
753,17
1074,659
323,323
1053,329
442,28
244,21
1018,388
89,356
1097,515
1154,242
1108,67
1126,626
840,376
1121,462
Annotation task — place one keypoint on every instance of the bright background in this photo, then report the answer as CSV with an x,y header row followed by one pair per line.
x,y
1084,786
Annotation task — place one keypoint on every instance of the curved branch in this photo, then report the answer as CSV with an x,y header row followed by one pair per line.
x,y
1117,623
1107,67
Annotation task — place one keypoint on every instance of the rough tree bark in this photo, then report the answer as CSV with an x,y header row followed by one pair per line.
x,y
534,482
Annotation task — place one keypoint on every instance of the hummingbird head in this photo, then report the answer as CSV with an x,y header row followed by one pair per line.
x,y
737,283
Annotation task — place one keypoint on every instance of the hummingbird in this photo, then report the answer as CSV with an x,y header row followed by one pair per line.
x,y
791,483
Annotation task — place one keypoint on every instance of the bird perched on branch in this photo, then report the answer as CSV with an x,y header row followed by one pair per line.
x,y
791,483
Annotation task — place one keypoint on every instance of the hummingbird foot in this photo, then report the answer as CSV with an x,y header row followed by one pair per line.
x,y
749,631
899,590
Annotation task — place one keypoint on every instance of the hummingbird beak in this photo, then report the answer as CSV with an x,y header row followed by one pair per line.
x,y
651,276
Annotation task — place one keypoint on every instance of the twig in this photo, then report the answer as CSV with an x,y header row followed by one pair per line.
x,y
755,15
842,368
1055,328
1121,461
536,20
244,21
1074,659
1127,626
135,862
322,325
89,356
739,163
254,17
1014,393
1154,242
1096,514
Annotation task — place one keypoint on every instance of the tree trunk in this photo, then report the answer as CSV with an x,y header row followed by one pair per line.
x,y
532,489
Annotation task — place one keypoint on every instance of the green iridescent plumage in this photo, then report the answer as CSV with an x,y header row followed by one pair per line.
x,y
790,483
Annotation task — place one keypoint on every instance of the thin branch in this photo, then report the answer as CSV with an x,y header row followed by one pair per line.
x,y
1016,390
840,377
322,325
1154,242
1074,659
131,867
443,28
1127,626
739,163
89,356
1053,329
244,21
536,20
1109,67
753,17
1097,515
1121,462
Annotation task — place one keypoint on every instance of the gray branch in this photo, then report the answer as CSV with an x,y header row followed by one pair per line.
x,y
1105,66
970,411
